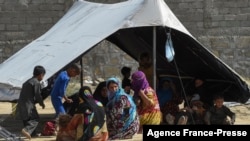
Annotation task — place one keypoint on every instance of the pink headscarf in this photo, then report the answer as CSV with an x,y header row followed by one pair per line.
x,y
139,82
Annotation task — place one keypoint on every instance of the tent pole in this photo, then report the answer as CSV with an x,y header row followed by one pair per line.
x,y
154,57
81,75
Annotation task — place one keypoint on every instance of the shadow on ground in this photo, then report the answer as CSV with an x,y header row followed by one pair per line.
x,y
15,126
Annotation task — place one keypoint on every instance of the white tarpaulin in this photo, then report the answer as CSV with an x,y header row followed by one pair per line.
x,y
86,24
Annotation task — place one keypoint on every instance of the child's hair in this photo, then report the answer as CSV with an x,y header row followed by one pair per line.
x,y
218,97
74,66
64,120
38,70
125,70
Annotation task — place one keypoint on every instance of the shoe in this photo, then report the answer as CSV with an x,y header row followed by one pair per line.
x,y
26,134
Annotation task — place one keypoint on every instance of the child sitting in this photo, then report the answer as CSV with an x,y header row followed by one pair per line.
x,y
126,82
219,113
195,111
65,133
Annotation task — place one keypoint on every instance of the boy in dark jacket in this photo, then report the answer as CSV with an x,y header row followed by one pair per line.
x,y
219,113
30,94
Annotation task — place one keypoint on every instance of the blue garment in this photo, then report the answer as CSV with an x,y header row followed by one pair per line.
x,y
58,92
128,122
164,93
164,96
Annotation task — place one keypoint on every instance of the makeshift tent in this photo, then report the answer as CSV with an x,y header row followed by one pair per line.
x,y
134,26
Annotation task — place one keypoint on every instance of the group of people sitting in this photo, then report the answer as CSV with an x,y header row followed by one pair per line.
x,y
110,113
199,106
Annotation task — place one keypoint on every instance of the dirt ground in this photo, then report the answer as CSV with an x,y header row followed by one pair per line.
x,y
8,121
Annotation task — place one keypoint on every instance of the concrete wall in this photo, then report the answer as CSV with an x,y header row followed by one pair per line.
x,y
223,26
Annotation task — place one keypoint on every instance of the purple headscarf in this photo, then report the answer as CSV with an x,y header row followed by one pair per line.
x,y
139,82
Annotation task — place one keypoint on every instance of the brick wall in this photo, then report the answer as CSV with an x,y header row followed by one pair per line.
x,y
223,26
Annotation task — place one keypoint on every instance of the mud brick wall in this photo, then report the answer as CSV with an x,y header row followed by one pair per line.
x,y
223,26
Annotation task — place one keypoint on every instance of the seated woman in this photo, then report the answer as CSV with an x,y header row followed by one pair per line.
x,y
122,118
88,122
165,91
169,99
101,94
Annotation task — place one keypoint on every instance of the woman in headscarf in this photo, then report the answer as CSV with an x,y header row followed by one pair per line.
x,y
169,99
148,106
89,121
122,118
101,94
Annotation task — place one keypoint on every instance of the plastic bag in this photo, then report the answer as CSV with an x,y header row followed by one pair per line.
x,y
169,49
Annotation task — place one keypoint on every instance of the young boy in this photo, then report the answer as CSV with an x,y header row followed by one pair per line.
x,y
59,88
30,94
218,113
126,82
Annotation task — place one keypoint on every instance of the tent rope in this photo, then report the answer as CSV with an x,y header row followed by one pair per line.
x,y
168,34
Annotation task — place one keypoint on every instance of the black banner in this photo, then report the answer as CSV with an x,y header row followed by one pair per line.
x,y
162,132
